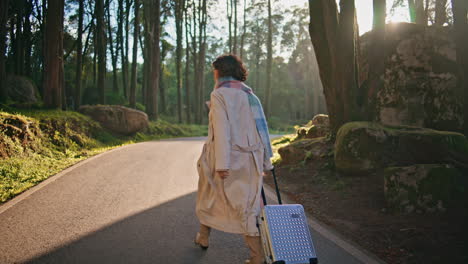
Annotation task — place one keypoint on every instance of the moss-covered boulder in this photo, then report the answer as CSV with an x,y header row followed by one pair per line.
x,y
316,131
363,147
119,119
302,150
420,79
422,188
21,89
321,120
319,126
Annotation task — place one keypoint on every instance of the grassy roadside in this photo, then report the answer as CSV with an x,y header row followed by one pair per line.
x,y
35,145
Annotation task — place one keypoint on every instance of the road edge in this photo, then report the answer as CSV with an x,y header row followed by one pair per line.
x,y
24,195
350,247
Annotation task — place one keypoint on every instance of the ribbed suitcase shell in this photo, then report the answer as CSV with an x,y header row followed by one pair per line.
x,y
285,235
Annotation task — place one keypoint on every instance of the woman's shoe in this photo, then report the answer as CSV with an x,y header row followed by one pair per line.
x,y
201,241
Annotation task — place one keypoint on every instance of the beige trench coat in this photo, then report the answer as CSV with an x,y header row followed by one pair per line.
x,y
231,205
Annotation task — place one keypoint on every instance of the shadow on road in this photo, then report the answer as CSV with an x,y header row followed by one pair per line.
x,y
162,234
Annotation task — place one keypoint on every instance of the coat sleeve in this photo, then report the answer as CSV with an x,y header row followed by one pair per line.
x,y
221,131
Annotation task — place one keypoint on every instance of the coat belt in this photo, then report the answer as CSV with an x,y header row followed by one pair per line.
x,y
247,148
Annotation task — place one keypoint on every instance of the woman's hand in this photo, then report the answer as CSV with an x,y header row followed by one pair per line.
x,y
223,174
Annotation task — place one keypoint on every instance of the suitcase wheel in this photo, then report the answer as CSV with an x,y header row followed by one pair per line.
x,y
313,261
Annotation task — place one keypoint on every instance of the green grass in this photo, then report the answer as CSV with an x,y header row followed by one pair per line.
x,y
50,141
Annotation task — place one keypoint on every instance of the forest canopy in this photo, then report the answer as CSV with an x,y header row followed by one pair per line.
x,y
155,55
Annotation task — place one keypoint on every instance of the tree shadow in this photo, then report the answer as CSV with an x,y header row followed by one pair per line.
x,y
162,234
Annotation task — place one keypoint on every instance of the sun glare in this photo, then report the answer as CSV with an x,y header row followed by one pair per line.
x,y
364,12
365,15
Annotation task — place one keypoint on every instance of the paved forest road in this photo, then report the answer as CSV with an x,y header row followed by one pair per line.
x,y
134,204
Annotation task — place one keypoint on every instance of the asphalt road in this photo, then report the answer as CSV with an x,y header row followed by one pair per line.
x,y
134,204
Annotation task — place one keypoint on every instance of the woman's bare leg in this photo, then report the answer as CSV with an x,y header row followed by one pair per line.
x,y
203,236
256,250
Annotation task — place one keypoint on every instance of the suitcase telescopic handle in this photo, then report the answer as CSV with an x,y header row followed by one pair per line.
x,y
278,194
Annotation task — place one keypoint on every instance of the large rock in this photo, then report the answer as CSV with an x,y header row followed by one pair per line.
x,y
22,89
316,131
319,126
420,83
119,119
363,147
302,150
423,188
321,120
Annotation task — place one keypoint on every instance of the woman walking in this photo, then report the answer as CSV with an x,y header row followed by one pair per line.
x,y
233,159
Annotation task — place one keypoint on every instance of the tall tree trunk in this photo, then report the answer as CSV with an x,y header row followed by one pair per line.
x,y
101,49
162,88
348,46
127,31
235,28
201,57
123,43
187,65
79,57
196,76
335,43
3,32
144,81
136,32
148,53
115,83
41,13
154,50
229,16
421,15
269,62
315,99
380,15
179,16
27,39
258,54
460,11
95,47
440,12
121,40
61,66
412,10
18,43
376,58
244,28
323,32
53,61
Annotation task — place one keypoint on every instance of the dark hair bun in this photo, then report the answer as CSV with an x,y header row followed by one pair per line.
x,y
230,65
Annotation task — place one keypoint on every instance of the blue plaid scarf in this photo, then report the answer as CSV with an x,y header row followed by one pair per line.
x,y
255,106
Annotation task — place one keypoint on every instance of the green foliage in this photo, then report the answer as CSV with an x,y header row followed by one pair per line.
x,y
115,98
37,144
278,126
277,144
138,106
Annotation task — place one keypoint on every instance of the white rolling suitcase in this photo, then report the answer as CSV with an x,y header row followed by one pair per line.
x,y
285,233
